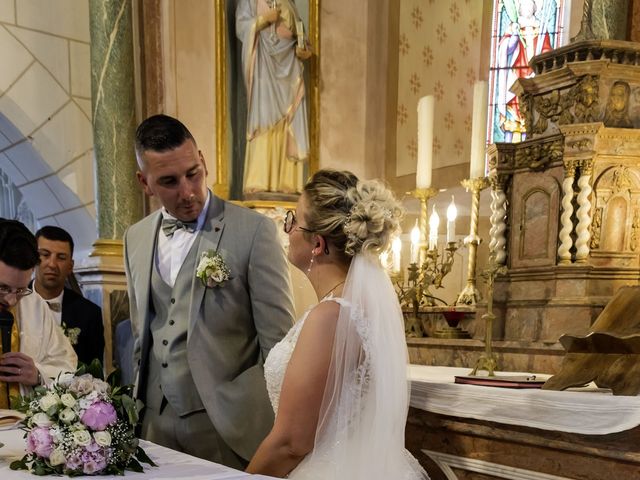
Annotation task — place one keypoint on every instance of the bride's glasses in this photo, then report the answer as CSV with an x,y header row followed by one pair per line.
x,y
290,223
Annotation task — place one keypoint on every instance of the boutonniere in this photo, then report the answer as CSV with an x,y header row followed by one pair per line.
x,y
71,333
212,270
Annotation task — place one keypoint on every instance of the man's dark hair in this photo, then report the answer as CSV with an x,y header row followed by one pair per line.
x,y
57,234
161,133
18,247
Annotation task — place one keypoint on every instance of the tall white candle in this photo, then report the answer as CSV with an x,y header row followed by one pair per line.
x,y
479,130
434,223
452,213
415,243
426,107
396,249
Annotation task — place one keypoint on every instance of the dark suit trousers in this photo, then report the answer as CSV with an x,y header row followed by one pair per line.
x,y
193,434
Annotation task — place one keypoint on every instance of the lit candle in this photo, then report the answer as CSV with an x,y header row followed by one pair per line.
x,y
479,130
415,243
426,107
396,249
452,213
434,223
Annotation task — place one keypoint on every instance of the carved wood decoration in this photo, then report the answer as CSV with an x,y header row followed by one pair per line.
x,y
610,353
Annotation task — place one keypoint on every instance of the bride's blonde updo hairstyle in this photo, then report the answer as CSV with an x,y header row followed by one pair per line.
x,y
356,216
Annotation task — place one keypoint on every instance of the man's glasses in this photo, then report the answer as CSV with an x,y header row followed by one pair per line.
x,y
18,292
290,223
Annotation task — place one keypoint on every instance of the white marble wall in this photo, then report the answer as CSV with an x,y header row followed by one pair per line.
x,y
46,143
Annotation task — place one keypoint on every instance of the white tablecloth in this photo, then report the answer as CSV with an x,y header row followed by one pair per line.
x,y
589,411
171,464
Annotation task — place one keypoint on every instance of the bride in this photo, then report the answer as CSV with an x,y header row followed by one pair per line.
x,y
337,381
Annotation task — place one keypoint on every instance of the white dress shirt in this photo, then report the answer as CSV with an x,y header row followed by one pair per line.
x,y
172,251
57,315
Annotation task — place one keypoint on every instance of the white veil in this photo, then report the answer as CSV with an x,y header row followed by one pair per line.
x,y
360,433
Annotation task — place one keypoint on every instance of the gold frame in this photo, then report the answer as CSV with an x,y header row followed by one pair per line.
x,y
221,186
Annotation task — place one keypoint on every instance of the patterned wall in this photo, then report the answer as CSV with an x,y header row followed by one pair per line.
x,y
439,54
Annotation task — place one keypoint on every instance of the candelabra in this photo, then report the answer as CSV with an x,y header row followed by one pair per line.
x,y
427,269
487,360
470,294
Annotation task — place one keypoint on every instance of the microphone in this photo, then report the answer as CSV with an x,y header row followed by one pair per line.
x,y
6,323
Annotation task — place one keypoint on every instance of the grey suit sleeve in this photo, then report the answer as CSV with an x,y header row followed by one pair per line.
x,y
269,286
133,310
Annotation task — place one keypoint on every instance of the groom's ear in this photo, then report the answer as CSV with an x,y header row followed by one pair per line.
x,y
142,180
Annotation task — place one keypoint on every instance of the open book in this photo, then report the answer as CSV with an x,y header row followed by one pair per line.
x,y
10,419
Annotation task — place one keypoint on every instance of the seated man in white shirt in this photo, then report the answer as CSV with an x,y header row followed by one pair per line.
x,y
41,351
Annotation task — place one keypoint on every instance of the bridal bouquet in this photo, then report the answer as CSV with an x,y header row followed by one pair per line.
x,y
81,424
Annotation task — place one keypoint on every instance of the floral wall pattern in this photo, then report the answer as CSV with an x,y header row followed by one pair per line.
x,y
439,54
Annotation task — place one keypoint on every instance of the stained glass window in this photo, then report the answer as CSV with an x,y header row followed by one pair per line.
x,y
521,30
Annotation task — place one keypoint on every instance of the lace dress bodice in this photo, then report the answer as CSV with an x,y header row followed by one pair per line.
x,y
275,366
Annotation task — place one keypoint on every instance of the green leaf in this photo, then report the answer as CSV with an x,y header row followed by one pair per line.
x,y
115,378
143,457
95,369
130,407
134,465
19,464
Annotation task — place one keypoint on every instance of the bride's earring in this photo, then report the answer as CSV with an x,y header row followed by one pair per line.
x,y
311,262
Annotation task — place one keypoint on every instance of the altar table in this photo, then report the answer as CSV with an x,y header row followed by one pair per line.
x,y
465,432
171,464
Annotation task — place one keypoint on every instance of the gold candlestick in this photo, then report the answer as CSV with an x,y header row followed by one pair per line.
x,y
424,195
487,360
470,295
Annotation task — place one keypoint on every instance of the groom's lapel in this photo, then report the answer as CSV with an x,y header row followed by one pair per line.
x,y
208,239
146,252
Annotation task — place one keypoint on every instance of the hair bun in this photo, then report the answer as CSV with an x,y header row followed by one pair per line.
x,y
373,219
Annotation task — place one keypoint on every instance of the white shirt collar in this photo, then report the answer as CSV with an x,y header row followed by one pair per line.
x,y
201,218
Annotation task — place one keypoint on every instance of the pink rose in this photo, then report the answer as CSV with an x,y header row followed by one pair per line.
x,y
40,442
99,415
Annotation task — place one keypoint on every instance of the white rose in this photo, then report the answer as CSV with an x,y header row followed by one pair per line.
x,y
82,438
48,401
65,379
41,419
67,415
56,457
102,438
68,400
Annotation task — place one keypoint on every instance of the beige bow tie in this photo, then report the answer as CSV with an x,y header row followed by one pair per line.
x,y
55,306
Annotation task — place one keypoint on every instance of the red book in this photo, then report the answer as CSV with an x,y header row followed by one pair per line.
x,y
503,381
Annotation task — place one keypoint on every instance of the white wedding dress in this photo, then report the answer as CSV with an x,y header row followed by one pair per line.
x,y
360,433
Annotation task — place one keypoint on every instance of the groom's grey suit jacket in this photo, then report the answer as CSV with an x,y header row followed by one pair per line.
x,y
231,327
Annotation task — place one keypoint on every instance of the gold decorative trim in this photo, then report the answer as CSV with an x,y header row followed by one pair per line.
x,y
222,186
266,204
107,248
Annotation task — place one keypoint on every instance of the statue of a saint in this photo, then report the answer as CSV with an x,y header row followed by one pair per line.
x,y
273,47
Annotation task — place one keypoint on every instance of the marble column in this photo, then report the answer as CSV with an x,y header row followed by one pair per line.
x,y
118,198
498,220
113,104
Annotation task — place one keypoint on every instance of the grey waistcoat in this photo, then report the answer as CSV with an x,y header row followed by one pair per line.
x,y
169,372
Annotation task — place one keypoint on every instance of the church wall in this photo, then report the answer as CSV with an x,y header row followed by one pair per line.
x,y
46,142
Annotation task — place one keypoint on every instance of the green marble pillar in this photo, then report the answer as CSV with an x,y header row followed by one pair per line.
x,y
118,198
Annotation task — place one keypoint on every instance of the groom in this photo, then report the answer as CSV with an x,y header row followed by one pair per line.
x,y
199,349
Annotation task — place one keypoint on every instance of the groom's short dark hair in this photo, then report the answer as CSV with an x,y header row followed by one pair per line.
x,y
160,133
18,247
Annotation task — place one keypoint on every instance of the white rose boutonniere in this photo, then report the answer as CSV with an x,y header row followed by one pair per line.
x,y
71,333
212,270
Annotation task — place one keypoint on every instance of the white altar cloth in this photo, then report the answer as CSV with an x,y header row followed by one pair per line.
x,y
171,464
589,410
